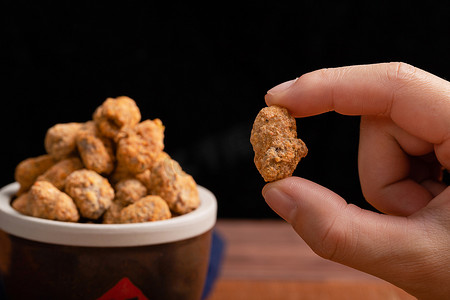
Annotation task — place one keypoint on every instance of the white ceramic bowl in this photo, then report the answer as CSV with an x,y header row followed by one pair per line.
x,y
47,259
107,235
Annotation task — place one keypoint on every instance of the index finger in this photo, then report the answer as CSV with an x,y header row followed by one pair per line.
x,y
415,100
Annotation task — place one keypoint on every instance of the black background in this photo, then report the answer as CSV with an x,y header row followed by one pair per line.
x,y
204,69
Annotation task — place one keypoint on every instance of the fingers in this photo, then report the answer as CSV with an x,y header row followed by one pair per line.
x,y
333,229
381,245
406,115
392,180
415,100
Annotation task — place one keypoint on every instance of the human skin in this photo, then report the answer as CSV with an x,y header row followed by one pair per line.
x,y
404,144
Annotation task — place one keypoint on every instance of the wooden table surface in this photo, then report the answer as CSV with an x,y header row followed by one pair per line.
x,y
266,259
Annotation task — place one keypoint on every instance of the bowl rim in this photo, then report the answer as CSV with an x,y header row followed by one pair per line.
x,y
171,230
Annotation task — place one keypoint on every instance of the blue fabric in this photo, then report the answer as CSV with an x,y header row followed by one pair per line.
x,y
215,262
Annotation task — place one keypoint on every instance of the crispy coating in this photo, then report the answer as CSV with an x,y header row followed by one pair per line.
x,y
139,147
145,177
96,151
48,202
21,203
112,214
129,191
149,208
120,172
91,192
58,173
274,140
28,170
115,114
176,187
84,160
60,140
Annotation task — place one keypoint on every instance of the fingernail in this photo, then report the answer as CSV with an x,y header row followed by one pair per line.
x,y
279,201
281,87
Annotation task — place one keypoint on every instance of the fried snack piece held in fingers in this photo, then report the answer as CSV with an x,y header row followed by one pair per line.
x,y
139,147
96,151
274,140
47,202
28,170
115,114
58,173
91,192
147,209
60,140
175,186
130,190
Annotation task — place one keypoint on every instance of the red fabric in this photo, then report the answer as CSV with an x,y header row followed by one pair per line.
x,y
123,290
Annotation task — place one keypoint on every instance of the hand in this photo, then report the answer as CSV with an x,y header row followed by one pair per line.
x,y
404,143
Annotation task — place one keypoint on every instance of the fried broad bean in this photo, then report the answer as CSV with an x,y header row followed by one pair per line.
x,y
120,172
175,186
91,192
112,214
28,170
274,140
115,114
145,177
21,203
96,151
129,191
147,209
139,147
58,173
60,140
47,202
84,161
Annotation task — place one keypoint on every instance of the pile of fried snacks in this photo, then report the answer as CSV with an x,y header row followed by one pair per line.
x,y
111,169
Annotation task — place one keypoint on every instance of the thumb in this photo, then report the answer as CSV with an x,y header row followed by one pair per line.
x,y
378,244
